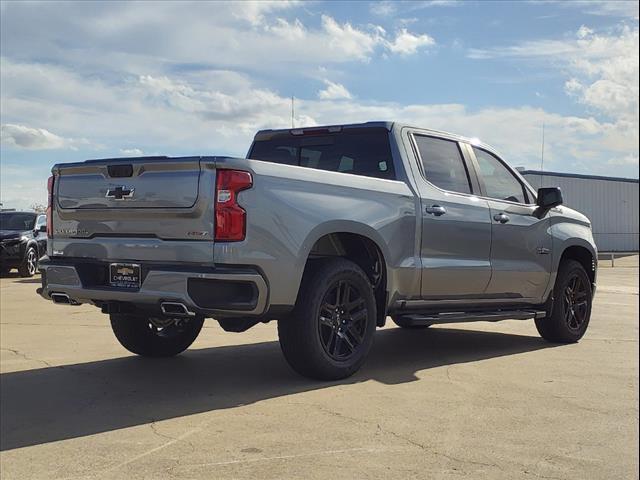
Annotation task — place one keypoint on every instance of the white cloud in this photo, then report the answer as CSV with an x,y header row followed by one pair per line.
x,y
629,160
254,10
361,44
136,39
617,8
584,32
131,81
353,42
334,91
602,70
23,188
292,31
30,138
605,69
384,8
131,152
202,114
407,43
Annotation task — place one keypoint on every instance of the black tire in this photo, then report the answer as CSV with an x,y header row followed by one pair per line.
x,y
404,323
29,265
142,335
571,310
326,338
5,270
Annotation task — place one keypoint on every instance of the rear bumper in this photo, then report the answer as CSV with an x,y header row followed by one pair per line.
x,y
209,292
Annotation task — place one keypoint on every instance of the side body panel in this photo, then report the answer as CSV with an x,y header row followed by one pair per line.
x,y
289,208
520,252
455,247
521,242
569,229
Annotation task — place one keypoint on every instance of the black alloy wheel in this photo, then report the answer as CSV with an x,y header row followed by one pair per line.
x,y
155,336
329,333
570,306
342,320
575,302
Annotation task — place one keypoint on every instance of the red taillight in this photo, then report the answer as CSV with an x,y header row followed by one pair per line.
x,y
49,207
230,217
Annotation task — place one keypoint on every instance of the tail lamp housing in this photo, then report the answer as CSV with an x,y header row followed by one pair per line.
x,y
50,181
231,218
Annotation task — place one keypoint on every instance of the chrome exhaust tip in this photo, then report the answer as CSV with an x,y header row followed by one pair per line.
x,y
175,309
63,299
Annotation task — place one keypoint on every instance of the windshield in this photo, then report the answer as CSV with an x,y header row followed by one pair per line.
x,y
17,221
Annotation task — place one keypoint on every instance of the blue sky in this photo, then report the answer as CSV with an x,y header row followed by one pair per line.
x,y
92,80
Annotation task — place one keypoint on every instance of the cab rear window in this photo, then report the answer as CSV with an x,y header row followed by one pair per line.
x,y
357,151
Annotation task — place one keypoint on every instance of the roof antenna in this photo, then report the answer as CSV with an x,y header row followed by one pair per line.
x,y
293,125
542,156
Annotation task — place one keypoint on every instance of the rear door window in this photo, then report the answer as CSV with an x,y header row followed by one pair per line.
x,y
443,164
363,151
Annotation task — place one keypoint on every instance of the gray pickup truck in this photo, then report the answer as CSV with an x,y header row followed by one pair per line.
x,y
329,230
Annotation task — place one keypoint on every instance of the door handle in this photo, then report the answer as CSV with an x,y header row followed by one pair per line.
x,y
501,217
436,210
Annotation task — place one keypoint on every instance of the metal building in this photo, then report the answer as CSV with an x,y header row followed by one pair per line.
x,y
610,203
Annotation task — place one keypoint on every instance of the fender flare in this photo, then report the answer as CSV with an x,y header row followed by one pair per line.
x,y
31,243
340,226
560,246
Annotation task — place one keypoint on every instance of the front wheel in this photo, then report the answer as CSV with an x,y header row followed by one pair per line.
x,y
571,311
330,331
155,337
29,264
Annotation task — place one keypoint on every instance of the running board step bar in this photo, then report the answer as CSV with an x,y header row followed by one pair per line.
x,y
460,317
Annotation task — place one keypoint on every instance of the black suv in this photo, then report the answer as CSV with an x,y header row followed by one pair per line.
x,y
23,240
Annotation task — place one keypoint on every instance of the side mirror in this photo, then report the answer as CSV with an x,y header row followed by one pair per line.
x,y
549,198
43,228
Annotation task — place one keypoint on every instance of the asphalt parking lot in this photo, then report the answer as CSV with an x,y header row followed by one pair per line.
x,y
474,401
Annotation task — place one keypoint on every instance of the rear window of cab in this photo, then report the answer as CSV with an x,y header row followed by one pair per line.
x,y
364,151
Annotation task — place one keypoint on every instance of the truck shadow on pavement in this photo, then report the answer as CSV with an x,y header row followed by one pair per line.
x,y
57,403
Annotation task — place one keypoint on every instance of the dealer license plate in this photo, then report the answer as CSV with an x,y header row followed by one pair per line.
x,y
124,275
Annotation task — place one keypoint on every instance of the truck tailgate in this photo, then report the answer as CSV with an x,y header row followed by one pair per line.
x,y
136,209
152,183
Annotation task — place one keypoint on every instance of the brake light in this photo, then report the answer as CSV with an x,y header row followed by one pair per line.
x,y
231,221
49,207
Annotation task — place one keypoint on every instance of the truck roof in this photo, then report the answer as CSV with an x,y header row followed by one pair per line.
x,y
266,133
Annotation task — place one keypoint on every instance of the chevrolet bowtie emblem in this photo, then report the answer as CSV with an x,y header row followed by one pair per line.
x,y
124,271
120,192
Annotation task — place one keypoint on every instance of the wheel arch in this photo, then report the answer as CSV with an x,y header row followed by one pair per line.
x,y
583,255
28,244
572,241
357,242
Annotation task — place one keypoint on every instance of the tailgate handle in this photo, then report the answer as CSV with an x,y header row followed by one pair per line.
x,y
120,171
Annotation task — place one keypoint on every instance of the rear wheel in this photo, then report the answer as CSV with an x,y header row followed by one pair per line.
x,y
29,265
571,310
155,337
330,331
